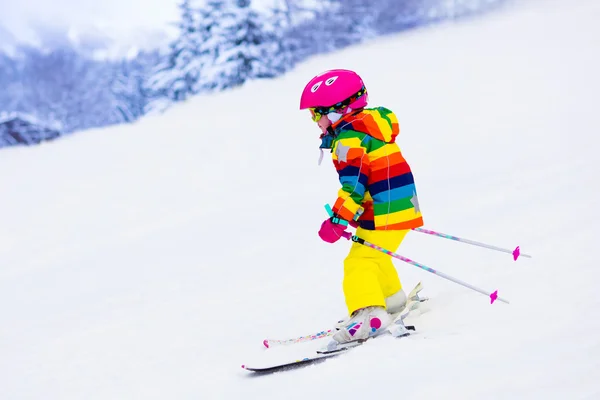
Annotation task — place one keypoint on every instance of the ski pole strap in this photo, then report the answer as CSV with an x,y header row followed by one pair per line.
x,y
329,210
334,219
339,221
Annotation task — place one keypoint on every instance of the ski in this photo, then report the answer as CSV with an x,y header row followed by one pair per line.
x,y
293,364
350,345
397,329
317,357
411,304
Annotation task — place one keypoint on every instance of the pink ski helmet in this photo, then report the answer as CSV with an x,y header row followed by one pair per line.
x,y
333,90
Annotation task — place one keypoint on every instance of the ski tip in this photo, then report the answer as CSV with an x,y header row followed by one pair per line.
x,y
266,343
243,366
516,253
493,297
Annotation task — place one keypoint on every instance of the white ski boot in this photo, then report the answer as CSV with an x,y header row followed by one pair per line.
x,y
364,323
398,305
394,304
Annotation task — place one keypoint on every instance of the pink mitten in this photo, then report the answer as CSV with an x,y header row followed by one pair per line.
x,y
331,232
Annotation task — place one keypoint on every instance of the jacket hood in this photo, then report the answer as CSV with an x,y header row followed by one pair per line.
x,y
379,123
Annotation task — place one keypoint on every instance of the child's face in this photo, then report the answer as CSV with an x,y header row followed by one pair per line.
x,y
324,123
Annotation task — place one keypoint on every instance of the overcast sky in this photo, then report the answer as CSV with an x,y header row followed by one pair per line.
x,y
76,12
118,18
125,24
146,13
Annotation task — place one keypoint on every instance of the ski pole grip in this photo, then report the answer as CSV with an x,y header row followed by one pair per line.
x,y
345,234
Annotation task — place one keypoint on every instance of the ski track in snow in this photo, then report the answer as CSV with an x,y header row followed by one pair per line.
x,y
150,261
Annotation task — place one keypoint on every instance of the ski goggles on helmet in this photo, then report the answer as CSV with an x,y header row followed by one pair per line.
x,y
316,116
318,112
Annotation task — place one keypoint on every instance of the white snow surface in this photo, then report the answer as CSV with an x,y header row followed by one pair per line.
x,y
149,261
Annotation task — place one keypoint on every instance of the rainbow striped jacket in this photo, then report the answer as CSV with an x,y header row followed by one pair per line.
x,y
378,190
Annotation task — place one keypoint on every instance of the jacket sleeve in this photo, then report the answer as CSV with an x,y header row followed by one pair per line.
x,y
352,164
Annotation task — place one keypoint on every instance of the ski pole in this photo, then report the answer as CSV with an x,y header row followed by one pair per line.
x,y
516,252
493,296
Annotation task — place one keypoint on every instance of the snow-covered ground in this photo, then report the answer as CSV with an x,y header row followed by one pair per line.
x,y
150,261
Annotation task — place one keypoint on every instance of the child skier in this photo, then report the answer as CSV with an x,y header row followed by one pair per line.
x,y
377,196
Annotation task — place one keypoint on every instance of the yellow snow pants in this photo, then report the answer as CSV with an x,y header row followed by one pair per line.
x,y
369,274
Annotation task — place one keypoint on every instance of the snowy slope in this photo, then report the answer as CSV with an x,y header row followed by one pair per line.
x,y
149,261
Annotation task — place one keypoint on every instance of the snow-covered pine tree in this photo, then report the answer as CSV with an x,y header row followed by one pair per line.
x,y
61,85
130,95
280,58
248,49
454,9
394,16
189,66
9,78
178,75
210,29
319,31
353,21
239,37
